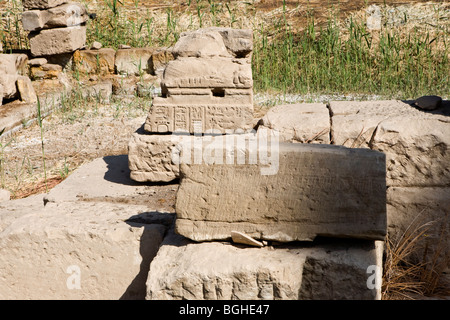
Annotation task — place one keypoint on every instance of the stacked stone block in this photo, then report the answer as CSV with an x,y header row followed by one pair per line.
x,y
55,26
208,88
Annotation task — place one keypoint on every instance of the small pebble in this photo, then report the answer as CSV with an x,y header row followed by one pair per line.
x,y
428,102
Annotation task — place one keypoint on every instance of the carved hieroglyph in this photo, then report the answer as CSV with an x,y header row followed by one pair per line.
x,y
316,190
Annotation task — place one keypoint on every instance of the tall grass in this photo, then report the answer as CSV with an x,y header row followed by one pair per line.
x,y
334,59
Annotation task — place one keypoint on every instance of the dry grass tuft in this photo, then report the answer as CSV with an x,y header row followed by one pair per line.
x,y
407,275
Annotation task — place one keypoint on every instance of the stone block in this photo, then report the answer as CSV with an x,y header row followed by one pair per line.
x,y
8,83
305,122
221,271
46,71
41,4
200,44
215,42
94,61
77,250
14,63
290,192
66,15
184,117
150,157
239,42
57,40
416,150
26,91
159,60
133,61
214,72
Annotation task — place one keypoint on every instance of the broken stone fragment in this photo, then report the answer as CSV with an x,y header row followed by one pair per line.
x,y
8,83
96,45
66,15
37,62
295,192
26,91
215,42
56,41
239,237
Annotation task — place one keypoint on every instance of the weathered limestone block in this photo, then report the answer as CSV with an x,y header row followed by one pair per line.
x,y
415,209
8,83
150,157
26,91
186,117
354,122
293,192
305,122
57,40
14,63
218,270
1,94
41,4
239,42
214,72
46,71
94,61
200,44
66,15
133,61
214,42
417,150
77,250
159,60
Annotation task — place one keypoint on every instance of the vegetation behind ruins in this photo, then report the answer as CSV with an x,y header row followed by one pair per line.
x,y
296,50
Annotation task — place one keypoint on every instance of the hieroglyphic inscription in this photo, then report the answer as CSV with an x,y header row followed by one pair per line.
x,y
170,118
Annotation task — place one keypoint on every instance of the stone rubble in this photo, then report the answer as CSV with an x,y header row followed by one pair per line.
x,y
55,27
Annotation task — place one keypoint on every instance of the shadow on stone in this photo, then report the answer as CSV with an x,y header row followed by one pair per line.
x,y
443,109
137,288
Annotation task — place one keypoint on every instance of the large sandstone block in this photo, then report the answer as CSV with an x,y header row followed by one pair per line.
x,y
77,250
293,192
304,122
134,61
57,40
66,15
417,150
41,4
353,123
218,270
94,61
